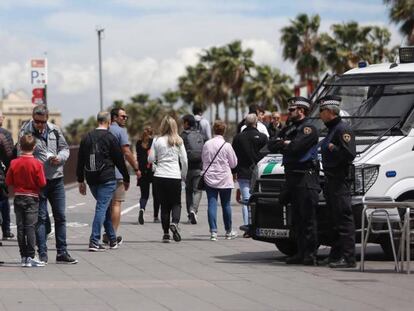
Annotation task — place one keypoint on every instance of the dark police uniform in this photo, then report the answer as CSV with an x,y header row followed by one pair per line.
x,y
302,184
336,164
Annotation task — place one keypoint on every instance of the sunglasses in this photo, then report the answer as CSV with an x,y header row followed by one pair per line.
x,y
321,110
39,121
124,117
292,109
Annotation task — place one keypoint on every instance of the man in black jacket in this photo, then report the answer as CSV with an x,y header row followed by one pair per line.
x,y
298,143
338,151
99,153
6,154
247,145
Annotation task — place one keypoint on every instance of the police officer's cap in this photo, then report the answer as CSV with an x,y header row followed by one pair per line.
x,y
329,100
299,101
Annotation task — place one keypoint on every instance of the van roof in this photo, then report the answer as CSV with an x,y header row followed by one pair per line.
x,y
382,68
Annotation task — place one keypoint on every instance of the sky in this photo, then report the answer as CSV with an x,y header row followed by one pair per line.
x,y
147,43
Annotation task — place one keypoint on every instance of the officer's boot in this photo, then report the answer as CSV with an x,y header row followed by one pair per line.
x,y
295,259
310,260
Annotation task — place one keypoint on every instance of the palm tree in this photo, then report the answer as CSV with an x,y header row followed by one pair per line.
x,y
401,12
352,43
140,98
269,88
299,41
190,86
377,47
343,51
217,90
171,97
235,64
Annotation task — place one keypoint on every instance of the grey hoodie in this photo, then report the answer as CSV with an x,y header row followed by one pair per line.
x,y
55,144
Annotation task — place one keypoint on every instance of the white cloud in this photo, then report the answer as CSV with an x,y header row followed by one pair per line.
x,y
7,4
14,76
141,53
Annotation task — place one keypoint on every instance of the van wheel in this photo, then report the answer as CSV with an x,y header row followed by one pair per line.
x,y
287,247
387,249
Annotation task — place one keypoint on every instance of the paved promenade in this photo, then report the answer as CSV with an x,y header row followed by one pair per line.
x,y
195,274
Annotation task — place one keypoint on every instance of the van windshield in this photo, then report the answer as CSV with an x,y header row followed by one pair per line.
x,y
372,109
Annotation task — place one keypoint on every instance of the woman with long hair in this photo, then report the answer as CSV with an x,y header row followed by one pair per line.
x,y
143,147
169,160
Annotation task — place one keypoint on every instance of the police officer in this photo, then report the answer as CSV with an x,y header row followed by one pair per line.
x,y
338,151
298,144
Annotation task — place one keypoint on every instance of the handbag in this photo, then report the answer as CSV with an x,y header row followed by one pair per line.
x,y
201,183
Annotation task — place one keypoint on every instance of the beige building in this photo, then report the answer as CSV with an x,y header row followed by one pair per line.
x,y
17,108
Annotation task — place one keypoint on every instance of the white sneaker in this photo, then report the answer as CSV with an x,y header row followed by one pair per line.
x,y
34,262
23,261
213,236
231,235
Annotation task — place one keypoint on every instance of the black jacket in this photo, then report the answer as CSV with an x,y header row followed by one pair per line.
x,y
247,145
337,161
303,138
144,166
111,152
274,130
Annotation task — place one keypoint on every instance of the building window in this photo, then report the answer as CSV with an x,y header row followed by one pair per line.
x,y
53,121
9,125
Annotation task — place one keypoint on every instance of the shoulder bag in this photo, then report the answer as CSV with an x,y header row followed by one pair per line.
x,y
201,183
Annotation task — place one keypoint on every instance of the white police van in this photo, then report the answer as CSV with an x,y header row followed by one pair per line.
x,y
378,102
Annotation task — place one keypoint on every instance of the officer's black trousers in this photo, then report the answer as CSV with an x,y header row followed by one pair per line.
x,y
338,197
304,189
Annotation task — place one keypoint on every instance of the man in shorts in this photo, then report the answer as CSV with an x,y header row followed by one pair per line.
x,y
118,129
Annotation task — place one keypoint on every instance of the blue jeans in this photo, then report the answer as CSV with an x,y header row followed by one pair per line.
x,y
225,197
54,192
5,214
244,185
103,194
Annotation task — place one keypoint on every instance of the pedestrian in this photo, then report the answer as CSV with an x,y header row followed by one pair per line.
x,y
219,159
6,155
99,154
298,144
247,145
118,129
27,177
201,123
275,125
143,148
259,112
170,163
338,151
193,142
53,151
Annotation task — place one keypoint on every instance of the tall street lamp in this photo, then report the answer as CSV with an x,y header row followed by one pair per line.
x,y
100,31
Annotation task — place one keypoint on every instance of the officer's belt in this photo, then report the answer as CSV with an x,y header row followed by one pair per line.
x,y
304,171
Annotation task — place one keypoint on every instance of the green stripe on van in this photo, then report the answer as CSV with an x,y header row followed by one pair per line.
x,y
269,168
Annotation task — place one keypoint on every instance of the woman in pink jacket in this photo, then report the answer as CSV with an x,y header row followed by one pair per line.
x,y
219,179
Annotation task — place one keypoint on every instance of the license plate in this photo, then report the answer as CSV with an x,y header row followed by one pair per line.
x,y
272,233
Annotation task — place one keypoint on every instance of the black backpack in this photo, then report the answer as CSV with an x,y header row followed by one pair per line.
x,y
95,162
194,146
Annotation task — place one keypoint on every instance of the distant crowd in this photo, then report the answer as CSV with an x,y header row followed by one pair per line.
x,y
199,156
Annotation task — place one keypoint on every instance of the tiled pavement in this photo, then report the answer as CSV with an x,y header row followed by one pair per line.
x,y
195,274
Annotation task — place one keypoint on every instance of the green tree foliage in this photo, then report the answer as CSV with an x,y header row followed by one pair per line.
x,y
401,12
269,88
299,41
78,128
351,43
